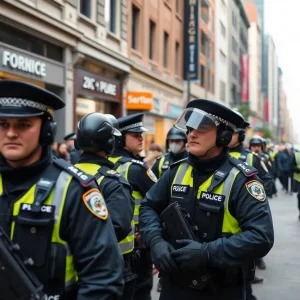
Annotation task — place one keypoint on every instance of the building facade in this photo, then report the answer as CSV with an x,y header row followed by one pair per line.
x,y
76,49
255,68
237,46
222,52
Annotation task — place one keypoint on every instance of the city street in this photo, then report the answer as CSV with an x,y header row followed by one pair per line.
x,y
281,279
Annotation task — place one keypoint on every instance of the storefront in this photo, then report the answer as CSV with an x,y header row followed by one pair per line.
x,y
22,65
96,93
160,113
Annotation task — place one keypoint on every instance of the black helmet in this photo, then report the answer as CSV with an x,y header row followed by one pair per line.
x,y
256,140
95,132
176,134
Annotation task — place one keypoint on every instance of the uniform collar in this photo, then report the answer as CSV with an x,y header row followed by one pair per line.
x,y
124,152
178,156
238,148
207,166
46,159
89,157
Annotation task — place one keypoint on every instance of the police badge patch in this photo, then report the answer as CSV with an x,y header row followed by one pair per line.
x,y
95,203
151,175
256,190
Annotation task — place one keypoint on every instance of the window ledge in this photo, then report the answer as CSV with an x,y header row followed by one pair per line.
x,y
178,16
166,71
87,20
167,3
136,53
153,63
113,36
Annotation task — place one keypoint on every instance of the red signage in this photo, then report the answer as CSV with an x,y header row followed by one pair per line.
x,y
245,79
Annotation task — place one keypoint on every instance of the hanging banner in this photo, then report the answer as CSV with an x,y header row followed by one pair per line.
x,y
245,79
191,40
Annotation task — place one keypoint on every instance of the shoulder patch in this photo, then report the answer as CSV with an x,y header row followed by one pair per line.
x,y
95,203
246,169
178,162
256,190
84,179
151,175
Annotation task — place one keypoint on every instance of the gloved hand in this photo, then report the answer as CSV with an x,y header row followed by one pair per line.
x,y
161,257
192,257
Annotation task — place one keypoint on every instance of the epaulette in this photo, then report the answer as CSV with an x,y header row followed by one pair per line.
x,y
105,171
84,179
176,163
247,150
138,162
246,169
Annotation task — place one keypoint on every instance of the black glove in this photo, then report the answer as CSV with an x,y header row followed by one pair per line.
x,y
192,257
161,257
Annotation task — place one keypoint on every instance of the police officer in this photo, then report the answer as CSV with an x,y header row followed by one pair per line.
x,y
237,150
141,179
296,176
228,206
176,143
96,137
50,204
74,153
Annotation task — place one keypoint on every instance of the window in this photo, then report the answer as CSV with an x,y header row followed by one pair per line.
x,y
234,45
111,13
234,20
222,91
205,11
177,58
223,29
205,44
202,74
86,8
222,57
166,49
234,70
135,27
177,6
213,83
152,28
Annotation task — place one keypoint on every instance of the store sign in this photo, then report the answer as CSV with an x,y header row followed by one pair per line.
x,y
139,101
25,64
98,86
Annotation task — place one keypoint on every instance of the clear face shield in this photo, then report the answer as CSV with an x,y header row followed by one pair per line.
x,y
194,118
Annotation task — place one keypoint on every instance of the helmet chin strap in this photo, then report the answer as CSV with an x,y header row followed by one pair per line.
x,y
31,154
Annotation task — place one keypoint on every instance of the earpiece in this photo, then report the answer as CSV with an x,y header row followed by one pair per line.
x,y
48,132
223,138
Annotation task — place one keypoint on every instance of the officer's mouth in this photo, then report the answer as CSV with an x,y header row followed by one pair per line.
x,y
12,145
193,143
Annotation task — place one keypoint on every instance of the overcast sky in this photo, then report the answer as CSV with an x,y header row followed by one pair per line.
x,y
282,22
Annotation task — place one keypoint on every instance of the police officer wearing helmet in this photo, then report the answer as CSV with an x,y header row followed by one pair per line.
x,y
96,137
237,150
175,143
228,206
50,204
141,179
74,153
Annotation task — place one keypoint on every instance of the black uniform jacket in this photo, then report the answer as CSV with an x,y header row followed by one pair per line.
x,y
263,173
137,174
253,216
117,194
92,241
171,158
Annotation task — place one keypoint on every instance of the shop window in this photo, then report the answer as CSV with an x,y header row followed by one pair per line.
x,y
135,27
24,41
152,29
86,8
166,49
111,15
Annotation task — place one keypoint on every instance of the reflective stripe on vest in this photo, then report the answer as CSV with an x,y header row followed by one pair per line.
x,y
161,162
297,159
56,198
184,177
123,170
127,244
249,157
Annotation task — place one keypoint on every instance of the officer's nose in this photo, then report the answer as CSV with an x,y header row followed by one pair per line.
x,y
11,132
